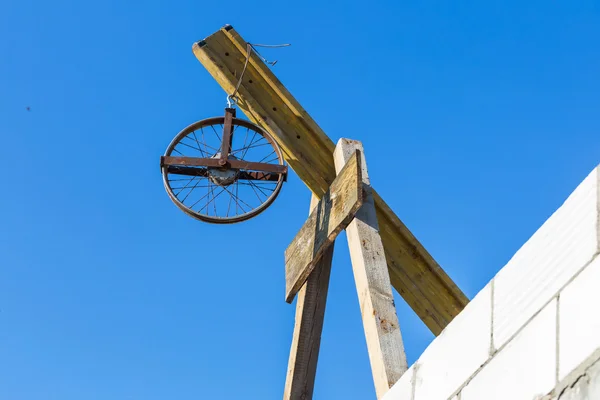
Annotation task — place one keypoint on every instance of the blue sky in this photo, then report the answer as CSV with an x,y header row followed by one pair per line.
x,y
478,119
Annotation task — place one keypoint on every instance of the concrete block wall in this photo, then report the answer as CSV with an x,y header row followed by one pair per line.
x,y
527,334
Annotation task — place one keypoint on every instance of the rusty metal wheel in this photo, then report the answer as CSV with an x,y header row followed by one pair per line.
x,y
223,169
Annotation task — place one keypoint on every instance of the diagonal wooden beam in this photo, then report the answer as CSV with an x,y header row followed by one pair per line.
x,y
307,149
332,215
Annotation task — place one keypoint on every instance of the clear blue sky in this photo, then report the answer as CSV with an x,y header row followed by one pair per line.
x,y
478,119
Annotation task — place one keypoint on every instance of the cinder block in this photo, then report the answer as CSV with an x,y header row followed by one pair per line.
x,y
523,370
403,389
579,319
457,352
562,246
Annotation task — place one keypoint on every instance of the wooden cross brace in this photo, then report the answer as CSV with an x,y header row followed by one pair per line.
x,y
347,204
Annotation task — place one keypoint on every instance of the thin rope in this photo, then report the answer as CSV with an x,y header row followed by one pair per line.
x,y
231,99
271,45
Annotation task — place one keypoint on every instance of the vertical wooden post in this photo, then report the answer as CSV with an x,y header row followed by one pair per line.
x,y
310,312
382,331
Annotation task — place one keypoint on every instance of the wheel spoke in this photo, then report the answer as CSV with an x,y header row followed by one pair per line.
x,y
204,142
251,183
201,198
256,193
215,205
246,137
251,141
207,204
242,201
199,146
229,205
190,146
177,180
268,155
237,187
271,160
212,192
186,196
251,147
186,185
214,130
254,186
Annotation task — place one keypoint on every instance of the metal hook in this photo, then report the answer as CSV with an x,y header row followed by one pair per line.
x,y
231,101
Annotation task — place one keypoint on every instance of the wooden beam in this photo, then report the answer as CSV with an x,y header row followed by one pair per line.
x,y
332,214
306,342
382,330
307,149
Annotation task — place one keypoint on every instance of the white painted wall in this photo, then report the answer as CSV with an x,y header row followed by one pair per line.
x,y
532,325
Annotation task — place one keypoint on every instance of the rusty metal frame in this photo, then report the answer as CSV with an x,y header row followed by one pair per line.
x,y
167,161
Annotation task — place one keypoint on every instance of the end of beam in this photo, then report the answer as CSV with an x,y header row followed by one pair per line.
x,y
202,43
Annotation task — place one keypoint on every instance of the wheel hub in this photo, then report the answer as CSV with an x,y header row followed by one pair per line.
x,y
222,176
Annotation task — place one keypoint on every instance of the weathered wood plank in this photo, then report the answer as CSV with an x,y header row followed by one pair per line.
x,y
306,341
332,214
380,321
307,149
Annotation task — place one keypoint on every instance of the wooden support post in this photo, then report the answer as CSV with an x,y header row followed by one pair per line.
x,y
382,331
310,312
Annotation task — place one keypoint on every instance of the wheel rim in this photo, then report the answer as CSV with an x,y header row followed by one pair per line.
x,y
221,195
